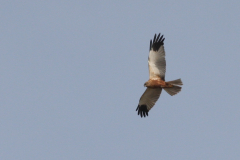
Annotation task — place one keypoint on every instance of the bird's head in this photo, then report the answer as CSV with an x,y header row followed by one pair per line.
x,y
145,84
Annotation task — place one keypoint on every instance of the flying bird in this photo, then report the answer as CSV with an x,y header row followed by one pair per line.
x,y
156,82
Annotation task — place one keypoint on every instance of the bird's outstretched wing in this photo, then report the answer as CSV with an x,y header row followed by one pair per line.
x,y
156,58
148,100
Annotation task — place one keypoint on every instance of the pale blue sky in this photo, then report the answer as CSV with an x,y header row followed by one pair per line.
x,y
72,73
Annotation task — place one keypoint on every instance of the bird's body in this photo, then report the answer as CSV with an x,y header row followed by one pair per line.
x,y
156,82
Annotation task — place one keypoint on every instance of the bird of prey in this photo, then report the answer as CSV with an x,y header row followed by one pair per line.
x,y
156,82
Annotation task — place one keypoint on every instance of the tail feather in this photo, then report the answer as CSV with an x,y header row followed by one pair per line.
x,y
175,89
176,82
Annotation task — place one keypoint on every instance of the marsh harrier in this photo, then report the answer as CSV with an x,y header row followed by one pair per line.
x,y
156,82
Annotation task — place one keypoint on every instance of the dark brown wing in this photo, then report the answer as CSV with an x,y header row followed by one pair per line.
x,y
148,100
156,58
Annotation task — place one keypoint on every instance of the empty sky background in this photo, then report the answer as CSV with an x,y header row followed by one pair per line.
x,y
72,73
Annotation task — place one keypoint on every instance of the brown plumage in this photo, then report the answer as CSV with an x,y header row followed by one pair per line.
x,y
156,82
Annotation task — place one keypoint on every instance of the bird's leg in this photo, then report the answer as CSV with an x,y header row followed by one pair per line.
x,y
167,85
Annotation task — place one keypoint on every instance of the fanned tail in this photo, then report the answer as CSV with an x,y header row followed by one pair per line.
x,y
176,82
175,89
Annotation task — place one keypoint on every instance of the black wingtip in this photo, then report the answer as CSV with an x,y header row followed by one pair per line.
x,y
157,42
142,110
150,45
154,38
